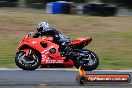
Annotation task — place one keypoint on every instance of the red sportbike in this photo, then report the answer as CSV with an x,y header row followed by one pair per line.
x,y
34,52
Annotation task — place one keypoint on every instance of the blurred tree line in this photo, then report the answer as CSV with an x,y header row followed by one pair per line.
x,y
8,3
32,3
121,3
42,3
78,1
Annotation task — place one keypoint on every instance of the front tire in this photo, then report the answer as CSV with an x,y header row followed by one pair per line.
x,y
87,65
21,61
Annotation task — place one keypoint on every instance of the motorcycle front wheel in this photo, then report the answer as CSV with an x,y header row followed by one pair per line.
x,y
88,63
27,63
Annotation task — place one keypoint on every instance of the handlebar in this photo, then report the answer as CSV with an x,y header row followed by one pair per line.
x,y
30,33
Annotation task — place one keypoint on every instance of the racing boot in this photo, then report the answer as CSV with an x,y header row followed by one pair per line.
x,y
64,47
68,53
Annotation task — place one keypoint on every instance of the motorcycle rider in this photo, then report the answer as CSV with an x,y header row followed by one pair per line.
x,y
44,29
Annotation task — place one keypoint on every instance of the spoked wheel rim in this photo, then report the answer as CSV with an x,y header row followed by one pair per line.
x,y
89,60
26,61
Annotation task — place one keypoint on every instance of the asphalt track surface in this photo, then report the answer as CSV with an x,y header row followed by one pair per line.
x,y
51,78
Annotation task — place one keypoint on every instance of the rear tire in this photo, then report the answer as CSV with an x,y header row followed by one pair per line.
x,y
19,60
89,67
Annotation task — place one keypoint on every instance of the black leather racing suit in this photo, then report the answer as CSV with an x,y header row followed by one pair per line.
x,y
58,38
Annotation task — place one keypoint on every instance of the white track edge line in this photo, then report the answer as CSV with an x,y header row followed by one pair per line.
x,y
65,69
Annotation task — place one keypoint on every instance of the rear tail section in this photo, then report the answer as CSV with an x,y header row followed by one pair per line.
x,y
80,42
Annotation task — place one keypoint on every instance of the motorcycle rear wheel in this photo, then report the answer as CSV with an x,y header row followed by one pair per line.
x,y
89,65
21,62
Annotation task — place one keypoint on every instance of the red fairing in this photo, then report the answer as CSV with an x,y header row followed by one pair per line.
x,y
44,52
80,42
46,56
43,47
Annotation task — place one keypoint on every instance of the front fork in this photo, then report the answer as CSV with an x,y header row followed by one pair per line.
x,y
28,52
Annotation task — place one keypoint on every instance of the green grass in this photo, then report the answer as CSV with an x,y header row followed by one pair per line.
x,y
112,36
8,49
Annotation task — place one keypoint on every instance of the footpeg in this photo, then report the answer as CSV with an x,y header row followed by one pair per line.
x,y
66,59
